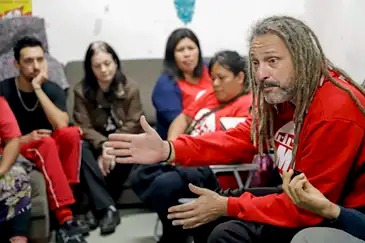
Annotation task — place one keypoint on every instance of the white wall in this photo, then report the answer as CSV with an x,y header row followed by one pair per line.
x,y
139,28
339,26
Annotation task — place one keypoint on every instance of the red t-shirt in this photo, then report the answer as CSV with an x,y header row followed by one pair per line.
x,y
211,123
190,92
8,125
331,141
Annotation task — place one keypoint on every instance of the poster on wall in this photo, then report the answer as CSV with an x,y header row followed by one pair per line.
x,y
15,8
185,10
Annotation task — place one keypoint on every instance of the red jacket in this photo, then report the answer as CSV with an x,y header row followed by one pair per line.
x,y
9,128
331,140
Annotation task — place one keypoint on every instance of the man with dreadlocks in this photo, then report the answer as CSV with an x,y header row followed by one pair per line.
x,y
306,109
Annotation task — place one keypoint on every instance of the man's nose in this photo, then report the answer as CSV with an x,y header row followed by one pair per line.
x,y
36,65
262,73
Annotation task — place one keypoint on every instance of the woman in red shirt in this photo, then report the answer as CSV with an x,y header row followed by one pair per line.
x,y
184,78
160,186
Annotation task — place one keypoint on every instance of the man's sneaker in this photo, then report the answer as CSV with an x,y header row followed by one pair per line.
x,y
109,222
71,232
91,220
81,225
64,236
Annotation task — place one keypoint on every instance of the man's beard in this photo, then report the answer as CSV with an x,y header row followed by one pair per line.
x,y
281,95
28,78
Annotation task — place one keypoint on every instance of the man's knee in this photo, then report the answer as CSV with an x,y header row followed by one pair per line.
x,y
160,187
167,184
69,134
219,233
233,231
47,142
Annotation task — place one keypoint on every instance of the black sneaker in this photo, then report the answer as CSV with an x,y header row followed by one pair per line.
x,y
81,226
109,222
69,233
72,231
91,220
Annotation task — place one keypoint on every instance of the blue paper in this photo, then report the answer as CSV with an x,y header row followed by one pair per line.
x,y
185,10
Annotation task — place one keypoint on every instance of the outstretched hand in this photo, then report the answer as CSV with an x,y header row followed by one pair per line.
x,y
145,148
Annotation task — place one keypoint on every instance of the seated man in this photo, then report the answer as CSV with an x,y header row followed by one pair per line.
x,y
311,113
229,98
40,109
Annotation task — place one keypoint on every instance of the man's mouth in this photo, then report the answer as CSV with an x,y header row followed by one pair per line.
x,y
270,84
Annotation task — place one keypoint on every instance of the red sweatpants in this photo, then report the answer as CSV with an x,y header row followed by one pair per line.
x,y
58,158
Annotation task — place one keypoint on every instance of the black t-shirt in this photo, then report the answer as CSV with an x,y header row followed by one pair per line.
x,y
36,119
108,118
109,125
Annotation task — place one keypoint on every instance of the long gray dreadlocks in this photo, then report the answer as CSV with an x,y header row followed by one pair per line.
x,y
310,64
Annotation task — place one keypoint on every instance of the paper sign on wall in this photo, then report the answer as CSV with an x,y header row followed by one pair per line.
x,y
185,10
15,8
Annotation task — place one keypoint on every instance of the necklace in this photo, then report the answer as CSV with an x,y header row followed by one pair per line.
x,y
21,99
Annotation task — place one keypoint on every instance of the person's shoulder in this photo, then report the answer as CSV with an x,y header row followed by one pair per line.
x,y
51,87
331,102
165,83
3,101
79,89
4,107
7,87
131,85
7,82
206,94
246,98
165,78
244,102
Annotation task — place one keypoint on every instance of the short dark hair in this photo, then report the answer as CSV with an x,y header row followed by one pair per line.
x,y
232,61
24,42
170,66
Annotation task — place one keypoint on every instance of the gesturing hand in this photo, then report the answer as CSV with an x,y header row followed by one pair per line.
x,y
305,195
145,148
208,207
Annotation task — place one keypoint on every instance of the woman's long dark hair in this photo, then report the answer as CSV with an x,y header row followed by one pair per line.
x,y
170,66
90,83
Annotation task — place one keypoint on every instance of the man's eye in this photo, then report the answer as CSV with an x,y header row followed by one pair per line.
x,y
273,60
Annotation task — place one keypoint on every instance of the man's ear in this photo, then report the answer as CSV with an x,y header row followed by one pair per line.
x,y
16,64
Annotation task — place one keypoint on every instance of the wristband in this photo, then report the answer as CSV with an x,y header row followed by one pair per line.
x,y
170,151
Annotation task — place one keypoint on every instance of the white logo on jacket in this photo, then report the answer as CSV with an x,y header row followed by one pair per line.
x,y
207,124
200,94
284,140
